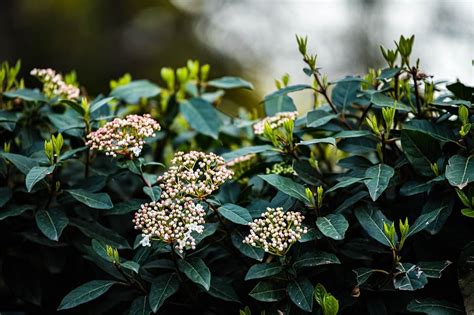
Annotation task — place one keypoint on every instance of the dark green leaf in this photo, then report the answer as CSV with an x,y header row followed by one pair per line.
x,y
421,151
202,117
378,178
230,83
29,95
460,171
51,223
315,258
318,118
431,306
301,293
133,91
333,226
267,291
153,192
162,288
424,220
258,271
287,186
93,200
436,131
131,265
5,196
381,100
329,140
344,93
277,104
36,174
363,274
413,278
22,163
85,293
388,73
125,207
140,306
288,89
235,213
13,210
344,183
246,150
96,105
197,271
222,290
352,134
372,221
96,231
433,269
247,250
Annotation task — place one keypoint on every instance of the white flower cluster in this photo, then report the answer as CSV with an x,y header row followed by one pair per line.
x,y
195,174
274,121
276,231
170,220
123,136
54,85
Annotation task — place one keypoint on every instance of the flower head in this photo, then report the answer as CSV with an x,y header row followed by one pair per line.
x,y
276,231
195,174
274,121
172,221
54,85
123,136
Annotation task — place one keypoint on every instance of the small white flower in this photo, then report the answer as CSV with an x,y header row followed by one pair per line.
x,y
145,241
136,151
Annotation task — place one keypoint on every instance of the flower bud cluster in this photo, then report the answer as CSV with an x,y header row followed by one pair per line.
x,y
171,221
123,136
195,174
274,121
54,85
276,231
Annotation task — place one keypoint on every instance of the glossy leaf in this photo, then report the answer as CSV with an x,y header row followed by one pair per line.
x,y
36,174
230,83
161,289
378,178
197,271
460,171
267,291
432,306
202,117
133,91
235,213
413,278
87,292
301,293
140,306
93,200
287,186
372,221
22,163
315,258
333,226
258,271
51,223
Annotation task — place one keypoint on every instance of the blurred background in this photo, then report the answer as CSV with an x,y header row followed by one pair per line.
x,y
254,39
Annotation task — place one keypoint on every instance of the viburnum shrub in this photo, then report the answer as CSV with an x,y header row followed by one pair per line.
x,y
150,199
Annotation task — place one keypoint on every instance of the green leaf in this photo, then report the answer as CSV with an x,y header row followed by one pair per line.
x,y
372,221
247,250
282,103
51,223
333,226
85,293
162,288
201,116
125,207
363,274
288,89
411,188
36,174
153,192
287,186
352,134
468,212
13,210
413,278
246,150
22,163
301,293
319,293
460,171
258,271
437,131
235,213
329,140
345,92
330,305
96,105
378,178
29,95
424,220
315,258
92,200
318,118
432,306
381,100
222,290
131,265
71,153
433,269
135,90
345,183
197,271
267,291
420,150
388,73
5,195
96,231
230,83
140,306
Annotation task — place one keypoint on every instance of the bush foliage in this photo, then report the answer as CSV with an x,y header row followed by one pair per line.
x,y
361,205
